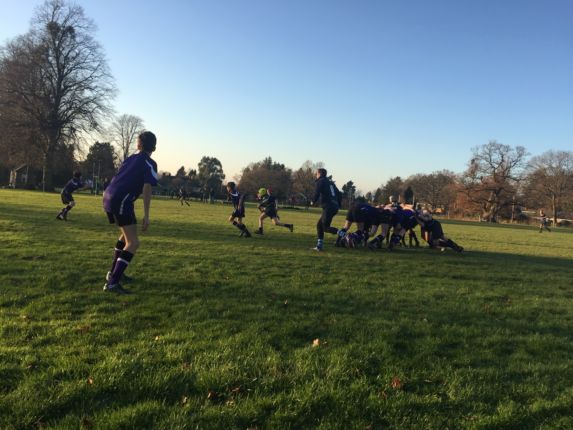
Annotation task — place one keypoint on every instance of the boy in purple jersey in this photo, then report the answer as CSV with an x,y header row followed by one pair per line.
x,y
72,185
238,214
137,175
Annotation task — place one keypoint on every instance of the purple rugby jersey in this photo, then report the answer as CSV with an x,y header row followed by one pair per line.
x,y
72,185
127,185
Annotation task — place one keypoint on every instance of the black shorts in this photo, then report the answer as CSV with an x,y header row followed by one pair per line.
x,y
67,198
436,231
271,212
238,213
121,220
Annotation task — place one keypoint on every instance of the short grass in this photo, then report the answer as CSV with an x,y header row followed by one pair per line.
x,y
220,330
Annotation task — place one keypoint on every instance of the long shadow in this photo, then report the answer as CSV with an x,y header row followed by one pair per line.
x,y
472,317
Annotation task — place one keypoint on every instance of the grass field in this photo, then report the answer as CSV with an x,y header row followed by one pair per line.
x,y
220,330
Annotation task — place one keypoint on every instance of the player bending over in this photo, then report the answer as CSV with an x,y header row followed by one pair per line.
x,y
137,175
433,234
268,208
238,214
365,217
73,184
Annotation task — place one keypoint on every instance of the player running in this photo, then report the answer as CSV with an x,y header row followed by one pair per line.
x,y
137,175
329,196
72,185
268,208
238,214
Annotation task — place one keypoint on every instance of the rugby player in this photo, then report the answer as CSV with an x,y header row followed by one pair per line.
x,y
137,175
238,214
268,208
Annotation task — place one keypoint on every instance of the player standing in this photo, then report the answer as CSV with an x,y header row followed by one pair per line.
x,y
543,222
137,175
72,185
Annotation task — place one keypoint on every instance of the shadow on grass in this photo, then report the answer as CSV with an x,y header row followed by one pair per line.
x,y
483,328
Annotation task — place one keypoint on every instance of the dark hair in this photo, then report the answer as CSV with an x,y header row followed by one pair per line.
x,y
148,141
321,171
231,185
77,174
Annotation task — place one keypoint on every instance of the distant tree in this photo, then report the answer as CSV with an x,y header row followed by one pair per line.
x,y
435,189
210,174
549,181
303,179
349,193
269,174
55,81
124,131
393,188
378,196
492,177
100,161
181,172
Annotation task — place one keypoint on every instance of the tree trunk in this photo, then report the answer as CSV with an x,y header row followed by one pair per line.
x,y
554,209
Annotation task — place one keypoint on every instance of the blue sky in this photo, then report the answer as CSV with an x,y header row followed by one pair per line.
x,y
373,89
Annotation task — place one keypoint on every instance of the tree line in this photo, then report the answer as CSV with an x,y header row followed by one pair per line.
x,y
56,92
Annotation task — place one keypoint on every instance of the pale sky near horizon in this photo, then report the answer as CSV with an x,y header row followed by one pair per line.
x,y
373,89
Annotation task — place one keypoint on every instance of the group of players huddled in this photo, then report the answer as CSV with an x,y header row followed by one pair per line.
x,y
394,219
138,174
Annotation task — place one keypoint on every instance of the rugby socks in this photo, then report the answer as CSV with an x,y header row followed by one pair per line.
x,y
66,210
377,241
116,253
242,227
122,262
340,233
319,243
450,243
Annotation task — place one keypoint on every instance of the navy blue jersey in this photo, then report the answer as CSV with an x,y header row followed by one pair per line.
x,y
433,227
73,185
325,191
238,200
384,216
409,219
127,185
268,202
364,213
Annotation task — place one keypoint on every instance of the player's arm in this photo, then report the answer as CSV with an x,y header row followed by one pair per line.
x,y
317,189
147,192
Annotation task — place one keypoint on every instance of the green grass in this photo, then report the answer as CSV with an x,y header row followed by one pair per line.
x,y
220,329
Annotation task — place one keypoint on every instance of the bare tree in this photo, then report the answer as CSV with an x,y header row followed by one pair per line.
x,y
435,189
550,180
492,177
303,179
269,174
124,131
55,80
394,187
